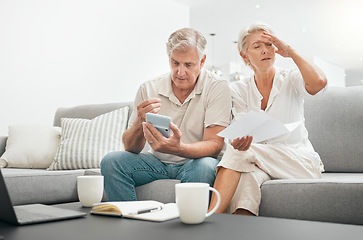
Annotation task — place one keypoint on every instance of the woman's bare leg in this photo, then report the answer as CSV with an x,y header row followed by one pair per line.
x,y
226,183
241,211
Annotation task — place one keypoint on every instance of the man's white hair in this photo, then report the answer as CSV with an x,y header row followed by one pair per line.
x,y
185,39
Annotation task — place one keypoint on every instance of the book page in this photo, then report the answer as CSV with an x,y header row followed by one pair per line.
x,y
168,212
124,208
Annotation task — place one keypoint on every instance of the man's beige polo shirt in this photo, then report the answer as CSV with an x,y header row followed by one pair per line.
x,y
207,105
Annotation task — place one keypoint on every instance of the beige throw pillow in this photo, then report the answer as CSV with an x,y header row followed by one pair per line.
x,y
30,146
85,142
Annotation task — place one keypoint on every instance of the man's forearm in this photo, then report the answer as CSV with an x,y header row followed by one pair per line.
x,y
209,148
133,138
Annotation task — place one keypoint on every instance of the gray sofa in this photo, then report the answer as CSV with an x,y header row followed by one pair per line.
x,y
335,126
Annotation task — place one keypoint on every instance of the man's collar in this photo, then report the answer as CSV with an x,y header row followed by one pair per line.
x,y
200,82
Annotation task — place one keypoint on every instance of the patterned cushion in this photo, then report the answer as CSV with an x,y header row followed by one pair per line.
x,y
84,142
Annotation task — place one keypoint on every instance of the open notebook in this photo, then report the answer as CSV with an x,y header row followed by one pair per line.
x,y
142,210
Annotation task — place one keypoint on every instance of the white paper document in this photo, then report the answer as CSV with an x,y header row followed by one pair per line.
x,y
259,125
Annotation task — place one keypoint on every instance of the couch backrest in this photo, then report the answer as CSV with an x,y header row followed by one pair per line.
x,y
334,122
88,111
335,125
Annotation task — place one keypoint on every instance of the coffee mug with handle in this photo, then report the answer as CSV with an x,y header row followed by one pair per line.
x,y
192,200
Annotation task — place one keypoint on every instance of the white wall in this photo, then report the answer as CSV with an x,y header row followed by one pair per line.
x,y
56,53
334,73
330,30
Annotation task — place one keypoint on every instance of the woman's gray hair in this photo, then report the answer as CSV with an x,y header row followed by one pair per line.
x,y
242,38
186,38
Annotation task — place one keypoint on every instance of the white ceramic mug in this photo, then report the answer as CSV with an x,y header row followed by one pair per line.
x,y
90,189
192,200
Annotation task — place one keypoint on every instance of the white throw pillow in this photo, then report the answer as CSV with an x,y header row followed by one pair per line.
x,y
30,146
85,142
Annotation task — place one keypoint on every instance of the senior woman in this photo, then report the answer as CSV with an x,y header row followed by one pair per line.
x,y
279,93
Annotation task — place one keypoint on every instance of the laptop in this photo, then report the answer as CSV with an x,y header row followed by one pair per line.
x,y
31,213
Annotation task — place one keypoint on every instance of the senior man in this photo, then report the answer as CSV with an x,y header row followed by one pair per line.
x,y
199,104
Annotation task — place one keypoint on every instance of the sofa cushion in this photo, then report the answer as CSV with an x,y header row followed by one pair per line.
x,y
84,142
28,186
334,123
162,190
336,197
30,146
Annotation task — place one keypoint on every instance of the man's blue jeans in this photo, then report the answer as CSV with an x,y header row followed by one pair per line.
x,y
123,171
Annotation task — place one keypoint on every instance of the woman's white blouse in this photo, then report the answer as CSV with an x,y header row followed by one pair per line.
x,y
286,103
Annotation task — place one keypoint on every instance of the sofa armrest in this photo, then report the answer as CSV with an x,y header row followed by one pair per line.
x,y
3,140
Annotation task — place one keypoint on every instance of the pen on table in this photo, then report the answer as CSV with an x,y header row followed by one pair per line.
x,y
146,210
